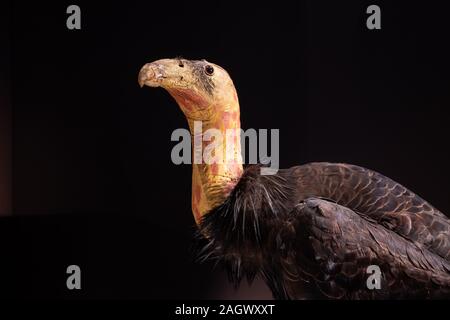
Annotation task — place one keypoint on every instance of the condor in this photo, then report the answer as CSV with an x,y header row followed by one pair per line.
x,y
310,231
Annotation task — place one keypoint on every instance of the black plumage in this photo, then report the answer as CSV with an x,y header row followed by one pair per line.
x,y
311,231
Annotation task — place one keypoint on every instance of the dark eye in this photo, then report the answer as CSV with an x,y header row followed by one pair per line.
x,y
209,70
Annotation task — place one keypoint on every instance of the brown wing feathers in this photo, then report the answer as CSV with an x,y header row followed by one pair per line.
x,y
344,244
312,231
367,192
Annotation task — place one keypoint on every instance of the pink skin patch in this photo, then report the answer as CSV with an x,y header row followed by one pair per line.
x,y
196,211
229,118
235,168
214,169
188,99
192,104
226,119
197,193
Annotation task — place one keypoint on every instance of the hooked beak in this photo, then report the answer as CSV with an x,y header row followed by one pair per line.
x,y
151,74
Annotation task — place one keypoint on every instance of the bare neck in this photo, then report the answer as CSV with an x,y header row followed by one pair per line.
x,y
221,162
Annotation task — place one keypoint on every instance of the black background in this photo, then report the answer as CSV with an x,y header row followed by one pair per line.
x,y
93,183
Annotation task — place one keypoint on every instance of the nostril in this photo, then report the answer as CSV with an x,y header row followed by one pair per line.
x,y
146,73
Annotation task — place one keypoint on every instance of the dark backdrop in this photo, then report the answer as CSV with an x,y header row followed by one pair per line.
x,y
93,183
5,112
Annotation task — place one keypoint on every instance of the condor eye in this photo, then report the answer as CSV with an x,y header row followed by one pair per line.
x,y
209,70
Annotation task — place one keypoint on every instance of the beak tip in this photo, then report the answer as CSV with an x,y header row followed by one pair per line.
x,y
146,74
142,78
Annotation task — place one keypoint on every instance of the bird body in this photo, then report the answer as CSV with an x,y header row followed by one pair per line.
x,y
311,231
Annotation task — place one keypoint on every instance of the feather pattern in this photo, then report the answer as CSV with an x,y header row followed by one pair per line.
x,y
311,231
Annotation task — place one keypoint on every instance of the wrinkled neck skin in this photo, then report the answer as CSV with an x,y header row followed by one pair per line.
x,y
212,183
